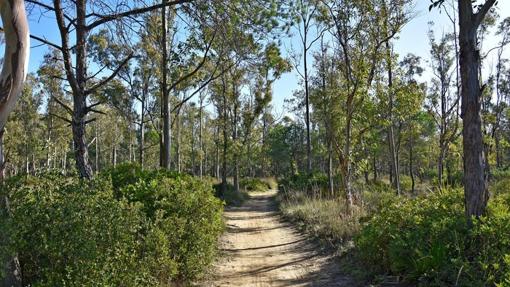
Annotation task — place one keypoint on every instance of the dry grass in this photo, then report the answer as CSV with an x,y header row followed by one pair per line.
x,y
329,220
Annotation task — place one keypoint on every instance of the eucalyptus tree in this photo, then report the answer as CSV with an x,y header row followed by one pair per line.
x,y
12,77
324,86
308,14
360,29
501,104
475,178
49,76
443,100
471,16
76,21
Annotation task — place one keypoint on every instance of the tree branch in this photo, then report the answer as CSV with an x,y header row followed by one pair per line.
x,y
197,68
480,15
50,8
105,81
66,107
107,18
42,40
62,118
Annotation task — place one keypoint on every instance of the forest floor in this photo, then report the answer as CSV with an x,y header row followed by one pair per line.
x,y
261,249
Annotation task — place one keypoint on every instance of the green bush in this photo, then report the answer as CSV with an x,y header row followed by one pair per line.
x,y
69,232
426,240
152,228
303,182
271,182
230,196
500,174
180,207
254,184
406,183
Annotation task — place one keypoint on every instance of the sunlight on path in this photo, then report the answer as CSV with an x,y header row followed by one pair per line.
x,y
261,250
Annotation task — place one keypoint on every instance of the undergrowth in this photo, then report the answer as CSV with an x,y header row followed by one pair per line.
x,y
422,239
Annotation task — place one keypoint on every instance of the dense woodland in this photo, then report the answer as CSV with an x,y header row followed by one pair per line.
x,y
144,114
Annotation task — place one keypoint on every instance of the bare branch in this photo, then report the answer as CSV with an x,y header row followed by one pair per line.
x,y
107,18
66,107
61,117
197,68
111,77
480,15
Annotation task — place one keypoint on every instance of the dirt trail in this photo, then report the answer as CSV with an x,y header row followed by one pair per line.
x,y
262,250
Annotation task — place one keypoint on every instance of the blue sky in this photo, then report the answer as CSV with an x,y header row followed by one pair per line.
x,y
412,39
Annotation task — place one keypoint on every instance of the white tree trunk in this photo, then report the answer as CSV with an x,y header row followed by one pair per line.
x,y
14,70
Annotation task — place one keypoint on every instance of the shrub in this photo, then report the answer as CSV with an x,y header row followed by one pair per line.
x,y
426,240
152,229
73,233
230,196
253,184
271,182
406,183
181,208
304,182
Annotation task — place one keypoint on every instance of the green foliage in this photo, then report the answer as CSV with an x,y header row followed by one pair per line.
x,y
181,208
73,233
150,228
303,181
426,240
254,184
271,182
230,196
405,182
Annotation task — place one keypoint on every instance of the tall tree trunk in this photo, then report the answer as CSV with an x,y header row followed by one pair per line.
x,y
217,155
193,151
200,139
475,184
165,108
225,141
81,152
374,167
411,167
346,166
114,155
440,165
391,131
178,143
12,77
331,185
234,135
307,102
141,145
97,148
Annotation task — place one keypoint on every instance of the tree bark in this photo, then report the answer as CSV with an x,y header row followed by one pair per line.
x,y
391,131
81,152
165,103
475,184
97,148
141,145
12,77
307,104
200,139
331,185
178,142
234,138
411,166
225,141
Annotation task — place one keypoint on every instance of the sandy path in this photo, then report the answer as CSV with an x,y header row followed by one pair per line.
x,y
261,250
